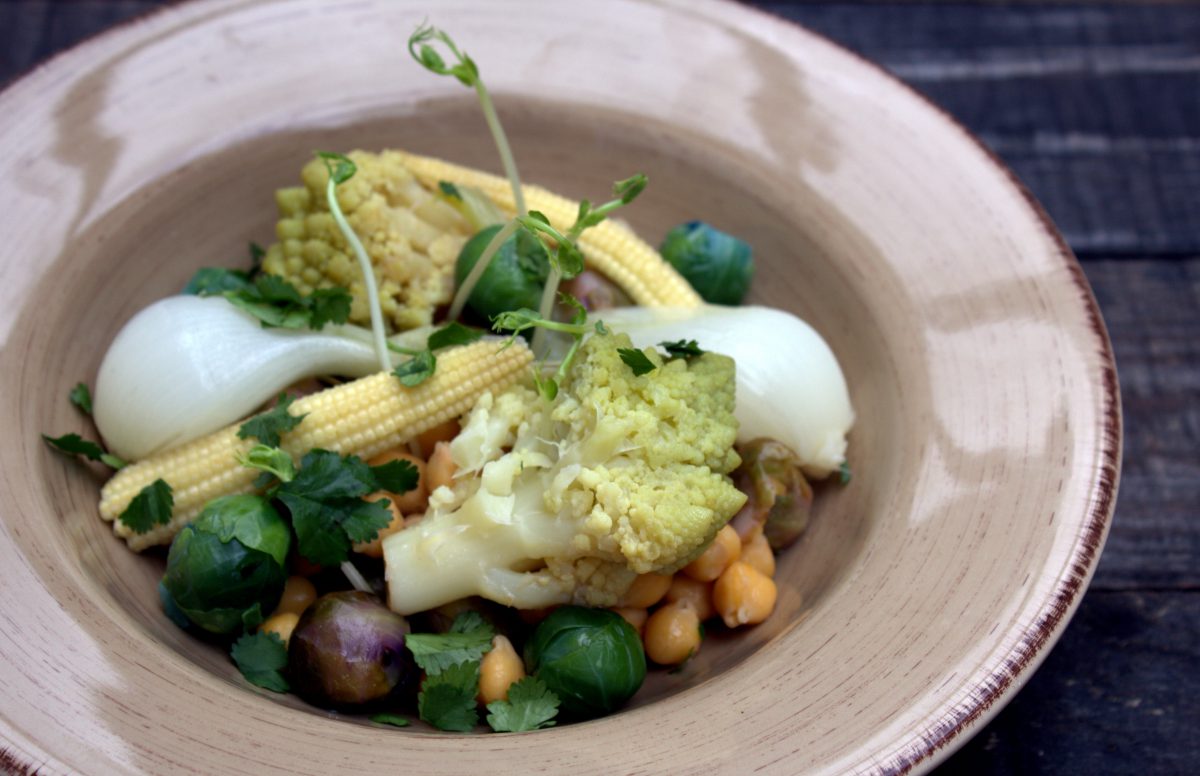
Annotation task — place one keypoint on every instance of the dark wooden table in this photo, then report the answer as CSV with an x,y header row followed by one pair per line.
x,y
1097,109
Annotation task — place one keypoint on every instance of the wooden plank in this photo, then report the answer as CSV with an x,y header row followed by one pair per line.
x,y
1152,310
1096,108
1116,695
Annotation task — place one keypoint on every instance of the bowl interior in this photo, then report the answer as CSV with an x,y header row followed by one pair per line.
x,y
206,213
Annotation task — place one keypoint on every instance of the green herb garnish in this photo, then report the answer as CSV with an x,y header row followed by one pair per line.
x,y
262,657
277,304
530,706
844,473
325,498
636,360
423,363
447,699
682,349
385,718
81,397
150,507
269,425
469,639
73,444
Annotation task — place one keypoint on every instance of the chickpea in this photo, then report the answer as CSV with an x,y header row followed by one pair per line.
x,y
725,549
374,548
672,634
633,616
757,552
444,432
298,593
744,595
441,467
646,591
281,624
411,501
498,669
692,592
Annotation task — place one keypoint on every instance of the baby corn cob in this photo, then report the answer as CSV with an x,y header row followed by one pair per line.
x,y
363,417
610,247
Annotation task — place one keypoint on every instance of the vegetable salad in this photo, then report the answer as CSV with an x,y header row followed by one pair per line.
x,y
480,486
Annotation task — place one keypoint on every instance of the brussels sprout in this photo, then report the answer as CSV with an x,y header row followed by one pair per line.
x,y
348,649
780,498
226,568
591,658
513,279
719,266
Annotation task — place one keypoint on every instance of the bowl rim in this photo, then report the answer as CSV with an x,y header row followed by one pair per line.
x,y
929,747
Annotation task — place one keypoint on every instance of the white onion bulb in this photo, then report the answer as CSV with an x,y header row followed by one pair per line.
x,y
789,384
186,366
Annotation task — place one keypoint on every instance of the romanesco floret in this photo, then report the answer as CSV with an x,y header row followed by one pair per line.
x,y
567,501
411,235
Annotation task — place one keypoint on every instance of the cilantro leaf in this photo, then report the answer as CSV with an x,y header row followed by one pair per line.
x,y
447,699
844,473
530,705
470,637
325,499
638,361
277,303
81,397
150,507
73,444
453,333
268,426
261,657
385,718
213,281
417,369
682,349
398,476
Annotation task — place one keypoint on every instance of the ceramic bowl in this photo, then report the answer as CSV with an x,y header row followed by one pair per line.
x,y
923,595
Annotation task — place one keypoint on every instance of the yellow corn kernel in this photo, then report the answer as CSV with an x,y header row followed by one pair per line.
x,y
363,418
610,247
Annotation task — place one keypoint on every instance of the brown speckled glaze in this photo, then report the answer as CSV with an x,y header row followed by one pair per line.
x,y
923,595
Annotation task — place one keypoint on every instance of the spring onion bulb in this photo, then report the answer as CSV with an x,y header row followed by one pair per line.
x,y
789,384
188,365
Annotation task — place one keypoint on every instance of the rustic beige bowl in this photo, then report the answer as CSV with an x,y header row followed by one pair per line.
x,y
923,596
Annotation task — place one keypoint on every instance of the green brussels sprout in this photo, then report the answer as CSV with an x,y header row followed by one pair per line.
x,y
591,658
514,278
226,568
718,265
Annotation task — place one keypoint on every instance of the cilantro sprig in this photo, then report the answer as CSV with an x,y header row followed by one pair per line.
x,y
531,705
469,638
150,507
636,360
81,397
268,426
447,699
325,498
73,444
262,657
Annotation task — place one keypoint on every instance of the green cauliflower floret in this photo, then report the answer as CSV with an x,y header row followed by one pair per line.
x,y
568,501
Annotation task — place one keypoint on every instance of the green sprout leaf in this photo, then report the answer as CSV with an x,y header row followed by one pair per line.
x,y
73,444
420,46
340,167
530,706
638,361
262,657
268,426
81,397
271,460
150,507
